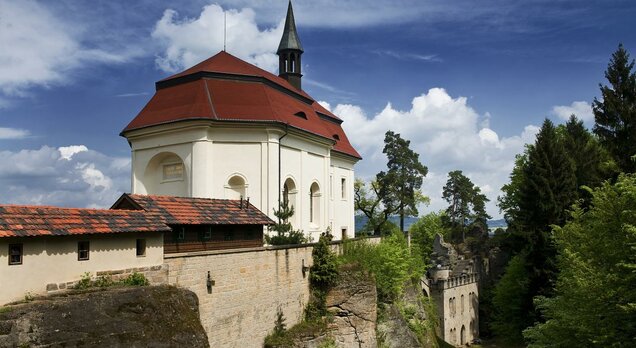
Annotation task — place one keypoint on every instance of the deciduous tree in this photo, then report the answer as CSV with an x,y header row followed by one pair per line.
x,y
368,201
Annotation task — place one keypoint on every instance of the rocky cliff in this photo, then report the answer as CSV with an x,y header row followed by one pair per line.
x,y
353,305
159,316
352,315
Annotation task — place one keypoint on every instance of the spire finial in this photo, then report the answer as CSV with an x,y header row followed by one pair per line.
x,y
290,39
289,51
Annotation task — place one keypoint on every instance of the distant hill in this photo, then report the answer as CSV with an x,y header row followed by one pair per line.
x,y
497,223
361,220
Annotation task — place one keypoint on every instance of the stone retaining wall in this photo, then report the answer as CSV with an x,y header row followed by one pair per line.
x,y
156,275
249,287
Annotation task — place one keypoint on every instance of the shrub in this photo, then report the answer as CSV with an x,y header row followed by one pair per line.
x,y
135,279
285,234
84,282
322,276
103,281
391,262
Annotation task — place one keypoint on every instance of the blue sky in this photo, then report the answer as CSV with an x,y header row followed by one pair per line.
x,y
468,82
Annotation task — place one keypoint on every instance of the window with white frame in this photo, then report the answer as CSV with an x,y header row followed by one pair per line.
x,y
314,203
343,188
172,171
83,250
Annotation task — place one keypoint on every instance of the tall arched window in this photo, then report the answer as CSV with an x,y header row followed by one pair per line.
x,y
292,62
289,197
235,188
462,304
314,203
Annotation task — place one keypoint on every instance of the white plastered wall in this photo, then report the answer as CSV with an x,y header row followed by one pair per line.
x,y
53,259
213,154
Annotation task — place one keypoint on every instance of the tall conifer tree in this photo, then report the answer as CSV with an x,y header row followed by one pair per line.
x,y
400,184
615,113
544,190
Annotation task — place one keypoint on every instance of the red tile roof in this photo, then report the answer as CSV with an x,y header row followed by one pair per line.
x,y
27,221
196,211
226,88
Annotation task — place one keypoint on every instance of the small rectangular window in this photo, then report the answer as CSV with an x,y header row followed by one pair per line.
x,y
343,188
15,254
141,247
207,235
173,171
83,251
181,234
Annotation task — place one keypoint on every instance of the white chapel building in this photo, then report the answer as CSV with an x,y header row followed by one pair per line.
x,y
225,128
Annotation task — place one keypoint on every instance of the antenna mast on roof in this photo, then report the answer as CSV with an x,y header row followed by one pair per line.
x,y
224,29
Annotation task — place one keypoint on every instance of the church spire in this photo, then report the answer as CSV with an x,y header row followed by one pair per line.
x,y
289,51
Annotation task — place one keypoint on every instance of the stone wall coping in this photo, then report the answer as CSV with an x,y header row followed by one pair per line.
x,y
258,249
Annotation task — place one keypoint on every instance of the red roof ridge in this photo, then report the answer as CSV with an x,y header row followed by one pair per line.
x,y
249,70
34,206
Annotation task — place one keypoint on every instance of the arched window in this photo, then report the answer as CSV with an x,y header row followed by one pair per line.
x,y
235,188
462,336
292,62
314,203
289,197
462,304
165,174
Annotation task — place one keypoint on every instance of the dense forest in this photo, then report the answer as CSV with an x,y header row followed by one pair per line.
x,y
570,246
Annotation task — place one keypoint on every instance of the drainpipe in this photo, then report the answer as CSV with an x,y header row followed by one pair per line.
x,y
280,166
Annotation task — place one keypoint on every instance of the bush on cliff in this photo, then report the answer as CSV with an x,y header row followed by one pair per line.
x,y
390,261
322,276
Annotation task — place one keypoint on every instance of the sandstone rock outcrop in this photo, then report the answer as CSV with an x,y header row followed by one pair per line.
x,y
353,305
159,316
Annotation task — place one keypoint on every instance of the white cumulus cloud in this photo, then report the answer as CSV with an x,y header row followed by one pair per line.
x,y
187,41
67,152
447,133
72,176
582,110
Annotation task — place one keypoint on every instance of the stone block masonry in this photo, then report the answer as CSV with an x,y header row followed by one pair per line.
x,y
156,275
249,286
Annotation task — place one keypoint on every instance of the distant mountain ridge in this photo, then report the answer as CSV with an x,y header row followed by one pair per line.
x,y
361,220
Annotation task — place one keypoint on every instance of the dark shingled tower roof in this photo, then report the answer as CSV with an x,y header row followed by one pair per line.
x,y
290,39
